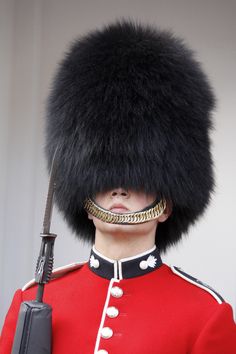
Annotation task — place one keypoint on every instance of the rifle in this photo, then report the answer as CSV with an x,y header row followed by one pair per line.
x,y
34,325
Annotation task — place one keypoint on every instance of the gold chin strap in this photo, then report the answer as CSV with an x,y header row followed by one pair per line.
x,y
137,217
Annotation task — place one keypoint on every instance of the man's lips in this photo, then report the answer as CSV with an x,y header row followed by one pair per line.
x,y
118,208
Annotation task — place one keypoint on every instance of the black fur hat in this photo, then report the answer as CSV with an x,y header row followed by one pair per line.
x,y
130,107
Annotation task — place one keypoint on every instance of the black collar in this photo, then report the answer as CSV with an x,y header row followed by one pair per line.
x,y
125,268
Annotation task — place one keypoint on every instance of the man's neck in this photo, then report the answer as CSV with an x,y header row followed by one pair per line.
x,y
122,246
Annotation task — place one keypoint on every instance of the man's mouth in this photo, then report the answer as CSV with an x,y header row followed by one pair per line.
x,y
118,208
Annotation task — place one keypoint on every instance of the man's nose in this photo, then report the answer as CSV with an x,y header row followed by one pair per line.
x,y
120,192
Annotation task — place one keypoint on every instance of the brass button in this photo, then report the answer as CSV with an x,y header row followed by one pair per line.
x,y
112,312
143,265
116,292
106,333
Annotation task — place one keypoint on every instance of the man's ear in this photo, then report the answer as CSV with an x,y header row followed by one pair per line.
x,y
168,210
90,217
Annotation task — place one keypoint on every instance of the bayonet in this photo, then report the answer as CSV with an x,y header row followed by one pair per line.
x,y
45,260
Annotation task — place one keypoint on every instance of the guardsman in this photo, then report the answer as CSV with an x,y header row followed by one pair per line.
x,y
130,115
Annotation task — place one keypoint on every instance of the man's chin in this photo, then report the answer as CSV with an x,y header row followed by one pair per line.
x,y
122,230
119,227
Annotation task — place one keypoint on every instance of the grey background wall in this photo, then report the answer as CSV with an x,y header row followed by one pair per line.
x,y
34,35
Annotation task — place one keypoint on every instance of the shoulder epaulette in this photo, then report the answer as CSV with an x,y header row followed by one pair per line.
x,y
198,283
57,273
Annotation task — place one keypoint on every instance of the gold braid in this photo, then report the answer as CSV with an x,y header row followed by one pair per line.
x,y
138,217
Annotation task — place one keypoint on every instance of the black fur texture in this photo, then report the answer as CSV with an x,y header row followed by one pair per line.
x,y
131,107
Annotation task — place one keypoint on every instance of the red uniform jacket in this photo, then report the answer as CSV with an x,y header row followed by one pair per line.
x,y
137,305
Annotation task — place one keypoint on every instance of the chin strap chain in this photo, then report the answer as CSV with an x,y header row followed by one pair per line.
x,y
137,217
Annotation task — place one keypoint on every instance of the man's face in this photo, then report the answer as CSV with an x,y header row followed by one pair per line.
x,y
119,200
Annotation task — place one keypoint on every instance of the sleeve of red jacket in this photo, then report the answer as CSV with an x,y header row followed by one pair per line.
x,y
218,336
8,331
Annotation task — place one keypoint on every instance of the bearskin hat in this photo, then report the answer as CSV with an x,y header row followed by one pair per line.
x,y
130,107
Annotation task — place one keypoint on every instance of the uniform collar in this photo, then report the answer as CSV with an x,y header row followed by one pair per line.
x,y
125,268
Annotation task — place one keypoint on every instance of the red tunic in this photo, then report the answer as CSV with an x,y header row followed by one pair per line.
x,y
158,312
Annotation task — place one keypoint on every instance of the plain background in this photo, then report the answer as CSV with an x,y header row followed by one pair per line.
x,y
34,35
